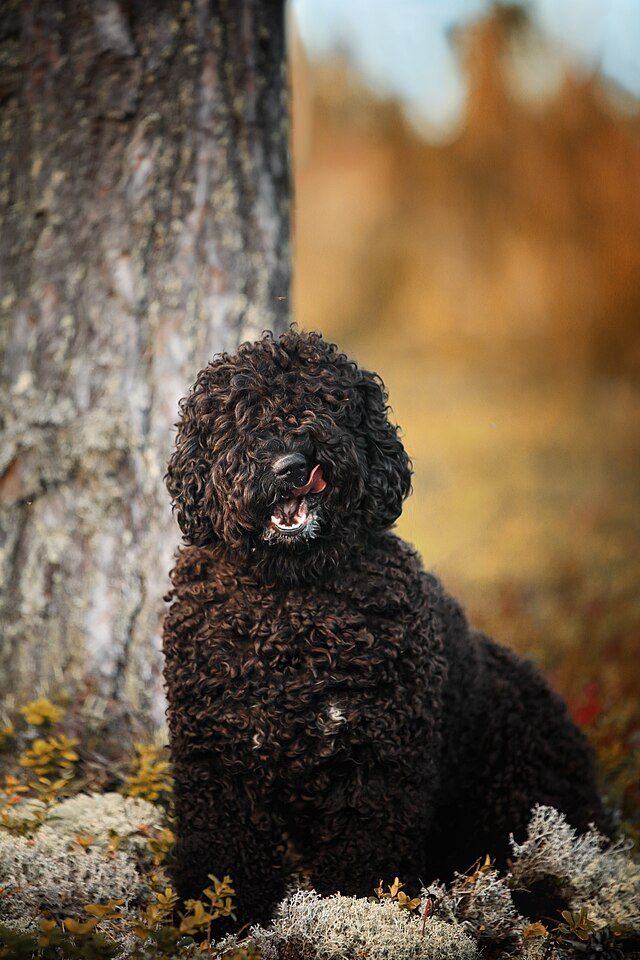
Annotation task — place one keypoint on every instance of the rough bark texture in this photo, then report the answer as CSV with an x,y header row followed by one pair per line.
x,y
144,194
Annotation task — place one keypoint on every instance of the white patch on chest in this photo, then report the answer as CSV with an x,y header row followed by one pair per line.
x,y
331,718
335,714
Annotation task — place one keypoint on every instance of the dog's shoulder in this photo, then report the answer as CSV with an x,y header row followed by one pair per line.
x,y
401,561
206,575
209,600
400,566
387,552
196,566
387,571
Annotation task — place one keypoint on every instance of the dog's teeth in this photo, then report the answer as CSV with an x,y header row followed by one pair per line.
x,y
290,515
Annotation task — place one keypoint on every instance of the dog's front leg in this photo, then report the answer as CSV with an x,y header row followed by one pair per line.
x,y
224,827
376,835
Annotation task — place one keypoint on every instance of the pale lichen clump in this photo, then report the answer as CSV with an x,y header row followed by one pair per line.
x,y
483,905
535,948
87,848
46,872
104,817
342,928
586,870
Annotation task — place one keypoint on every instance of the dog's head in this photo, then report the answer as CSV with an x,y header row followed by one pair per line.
x,y
285,452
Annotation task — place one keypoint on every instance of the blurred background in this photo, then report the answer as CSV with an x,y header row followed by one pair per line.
x,y
467,223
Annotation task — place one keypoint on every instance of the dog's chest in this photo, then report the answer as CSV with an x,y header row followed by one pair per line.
x,y
297,681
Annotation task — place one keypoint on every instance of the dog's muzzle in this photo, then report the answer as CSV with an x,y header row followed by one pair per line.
x,y
297,514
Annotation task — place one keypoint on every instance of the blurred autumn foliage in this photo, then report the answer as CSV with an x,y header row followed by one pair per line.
x,y
521,234
493,279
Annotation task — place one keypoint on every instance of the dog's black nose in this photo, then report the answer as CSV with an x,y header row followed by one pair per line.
x,y
288,464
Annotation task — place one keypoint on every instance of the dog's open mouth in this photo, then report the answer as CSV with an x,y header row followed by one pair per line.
x,y
297,514
291,516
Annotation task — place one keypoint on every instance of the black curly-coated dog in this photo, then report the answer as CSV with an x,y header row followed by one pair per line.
x,y
326,696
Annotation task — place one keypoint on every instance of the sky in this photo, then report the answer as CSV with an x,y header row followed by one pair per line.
x,y
402,47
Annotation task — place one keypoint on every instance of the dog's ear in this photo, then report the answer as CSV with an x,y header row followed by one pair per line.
x,y
389,475
188,476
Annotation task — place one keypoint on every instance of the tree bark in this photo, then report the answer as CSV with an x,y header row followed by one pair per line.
x,y
144,195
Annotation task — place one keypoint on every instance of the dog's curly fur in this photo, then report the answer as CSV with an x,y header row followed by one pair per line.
x,y
326,696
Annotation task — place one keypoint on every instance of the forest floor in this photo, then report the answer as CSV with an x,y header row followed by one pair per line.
x,y
86,833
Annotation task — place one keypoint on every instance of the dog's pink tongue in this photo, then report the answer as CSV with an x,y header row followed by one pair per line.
x,y
314,484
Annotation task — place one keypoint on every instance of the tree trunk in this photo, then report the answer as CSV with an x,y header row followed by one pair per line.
x,y
144,193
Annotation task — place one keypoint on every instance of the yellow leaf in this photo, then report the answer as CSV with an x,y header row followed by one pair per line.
x,y
46,927
200,918
167,899
535,930
40,712
84,841
406,903
114,843
7,733
77,928
105,910
150,777
154,914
